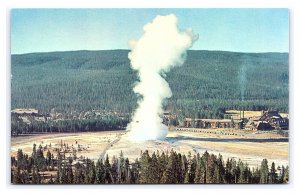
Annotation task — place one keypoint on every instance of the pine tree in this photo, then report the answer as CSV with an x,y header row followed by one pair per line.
x,y
40,159
63,176
192,170
153,177
186,177
205,157
107,173
114,170
144,167
264,172
212,174
48,158
135,172
247,174
121,171
198,174
169,174
20,161
228,168
34,152
162,164
273,174
127,174
70,175
178,169
92,173
285,175
202,171
241,167
78,174
189,169
99,172
281,173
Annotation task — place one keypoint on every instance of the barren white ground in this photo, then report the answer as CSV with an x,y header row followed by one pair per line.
x,y
249,147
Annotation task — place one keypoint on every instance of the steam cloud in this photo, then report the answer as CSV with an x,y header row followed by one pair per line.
x,y
242,76
161,47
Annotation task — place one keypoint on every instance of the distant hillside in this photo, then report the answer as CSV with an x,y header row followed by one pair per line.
x,y
207,83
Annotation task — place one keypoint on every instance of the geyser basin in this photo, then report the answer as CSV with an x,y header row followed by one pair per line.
x,y
162,47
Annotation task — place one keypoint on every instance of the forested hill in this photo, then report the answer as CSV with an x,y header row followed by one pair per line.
x,y
208,82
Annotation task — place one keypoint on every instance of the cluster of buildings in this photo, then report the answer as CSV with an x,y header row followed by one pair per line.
x,y
269,120
28,115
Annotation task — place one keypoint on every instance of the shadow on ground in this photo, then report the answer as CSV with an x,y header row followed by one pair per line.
x,y
262,140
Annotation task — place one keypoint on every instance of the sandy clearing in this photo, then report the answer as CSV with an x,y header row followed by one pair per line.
x,y
94,143
251,152
99,144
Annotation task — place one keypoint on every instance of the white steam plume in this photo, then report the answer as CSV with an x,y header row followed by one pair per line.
x,y
161,47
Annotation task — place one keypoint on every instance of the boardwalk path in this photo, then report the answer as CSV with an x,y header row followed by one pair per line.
x,y
108,146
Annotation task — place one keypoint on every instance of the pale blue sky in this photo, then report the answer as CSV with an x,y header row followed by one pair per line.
x,y
242,30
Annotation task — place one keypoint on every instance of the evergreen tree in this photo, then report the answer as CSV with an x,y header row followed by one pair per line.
x,y
169,174
154,176
20,162
273,174
192,170
134,173
212,174
219,170
63,175
285,174
264,172
121,171
70,175
144,167
127,172
114,170
162,164
79,175
40,159
48,158
107,173
100,179
179,174
256,176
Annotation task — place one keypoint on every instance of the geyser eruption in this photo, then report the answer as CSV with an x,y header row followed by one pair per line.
x,y
161,47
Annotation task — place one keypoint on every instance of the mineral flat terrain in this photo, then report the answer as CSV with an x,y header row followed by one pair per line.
x,y
250,147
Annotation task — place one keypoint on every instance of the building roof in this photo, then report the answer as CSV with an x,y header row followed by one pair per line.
x,y
270,114
215,120
25,111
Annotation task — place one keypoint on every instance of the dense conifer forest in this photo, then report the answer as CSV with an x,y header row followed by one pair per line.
x,y
208,83
156,168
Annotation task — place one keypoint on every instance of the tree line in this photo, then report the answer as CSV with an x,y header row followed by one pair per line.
x,y
156,168
18,127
